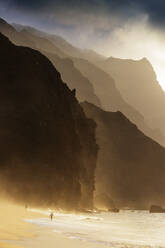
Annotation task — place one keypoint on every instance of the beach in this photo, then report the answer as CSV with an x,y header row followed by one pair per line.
x,y
12,225
32,228
16,232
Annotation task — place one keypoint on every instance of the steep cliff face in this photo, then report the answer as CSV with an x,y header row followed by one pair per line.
x,y
48,150
48,45
41,43
74,79
130,165
137,83
25,38
17,38
111,99
105,89
63,45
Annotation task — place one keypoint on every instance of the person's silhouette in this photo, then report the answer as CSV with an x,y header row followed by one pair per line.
x,y
51,216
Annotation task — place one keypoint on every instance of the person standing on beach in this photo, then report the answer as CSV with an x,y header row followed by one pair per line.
x,y
51,216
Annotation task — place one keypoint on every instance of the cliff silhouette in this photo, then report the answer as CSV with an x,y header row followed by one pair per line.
x,y
74,78
52,47
48,149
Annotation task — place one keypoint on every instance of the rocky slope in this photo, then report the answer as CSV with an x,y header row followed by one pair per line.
x,y
48,150
63,45
74,78
111,98
17,38
25,38
105,89
41,41
130,165
138,85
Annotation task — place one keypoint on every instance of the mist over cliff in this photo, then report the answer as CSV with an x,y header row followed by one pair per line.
x,y
114,84
126,103
48,149
138,85
130,166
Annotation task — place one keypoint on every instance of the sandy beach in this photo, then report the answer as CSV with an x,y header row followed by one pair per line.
x,y
32,228
12,225
47,239
15,232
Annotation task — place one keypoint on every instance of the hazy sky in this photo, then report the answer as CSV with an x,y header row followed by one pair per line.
x,y
121,28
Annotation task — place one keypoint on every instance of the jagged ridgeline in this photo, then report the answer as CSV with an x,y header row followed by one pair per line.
x,y
48,150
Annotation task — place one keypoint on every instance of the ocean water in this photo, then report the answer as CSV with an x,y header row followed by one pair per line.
x,y
127,229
